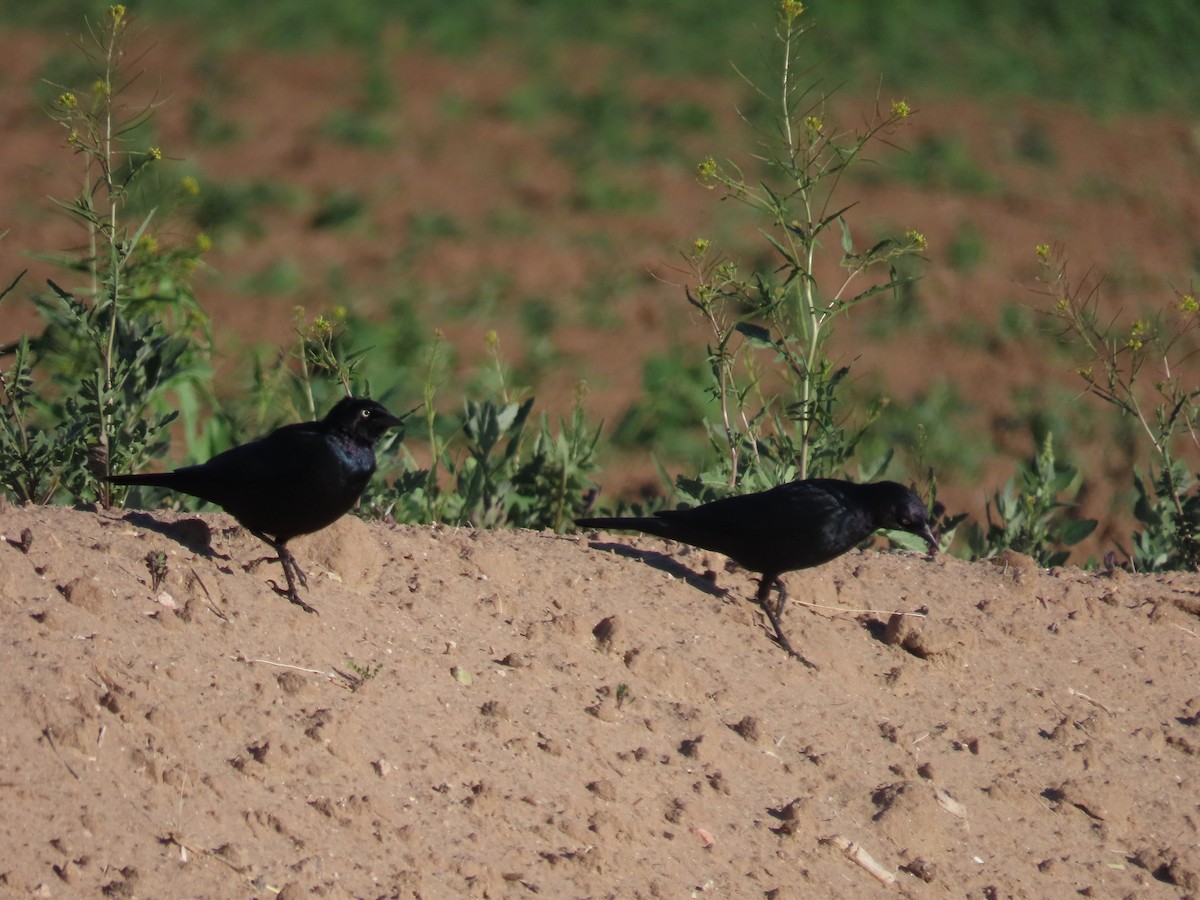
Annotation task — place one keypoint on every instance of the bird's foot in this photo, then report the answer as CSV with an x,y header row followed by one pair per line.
x,y
292,573
289,560
255,563
800,657
774,613
782,640
291,594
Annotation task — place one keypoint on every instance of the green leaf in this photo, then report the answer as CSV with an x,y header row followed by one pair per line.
x,y
756,334
1075,530
847,241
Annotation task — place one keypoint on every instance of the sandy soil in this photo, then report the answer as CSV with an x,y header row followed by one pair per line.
x,y
581,716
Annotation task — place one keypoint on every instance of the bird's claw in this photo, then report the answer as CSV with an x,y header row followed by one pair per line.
x,y
774,614
255,563
781,639
293,596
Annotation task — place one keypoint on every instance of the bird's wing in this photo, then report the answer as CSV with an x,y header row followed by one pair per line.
x,y
283,458
795,525
796,508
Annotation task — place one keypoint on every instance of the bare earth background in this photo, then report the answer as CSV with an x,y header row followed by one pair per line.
x,y
581,717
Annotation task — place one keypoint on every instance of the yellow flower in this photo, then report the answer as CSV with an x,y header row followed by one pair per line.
x,y
1043,252
154,153
189,185
493,339
203,242
814,124
320,329
149,243
117,13
916,239
1188,303
727,271
901,110
790,10
707,168
700,246
67,100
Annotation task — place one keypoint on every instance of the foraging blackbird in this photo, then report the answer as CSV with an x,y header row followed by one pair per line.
x,y
296,480
793,526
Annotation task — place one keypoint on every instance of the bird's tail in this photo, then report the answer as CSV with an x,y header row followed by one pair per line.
x,y
150,479
647,524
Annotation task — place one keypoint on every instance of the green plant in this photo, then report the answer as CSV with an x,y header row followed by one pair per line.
x,y
1138,369
127,330
491,470
1030,516
675,396
364,672
773,381
943,525
156,565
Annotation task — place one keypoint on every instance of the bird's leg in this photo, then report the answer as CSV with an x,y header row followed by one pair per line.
x,y
774,613
291,571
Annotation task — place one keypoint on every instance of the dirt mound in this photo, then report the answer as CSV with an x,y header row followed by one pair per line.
x,y
509,713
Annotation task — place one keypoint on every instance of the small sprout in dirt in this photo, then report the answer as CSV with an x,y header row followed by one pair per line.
x,y
364,673
156,563
623,694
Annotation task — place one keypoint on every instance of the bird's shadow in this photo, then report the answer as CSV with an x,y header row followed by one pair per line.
x,y
663,563
874,627
193,533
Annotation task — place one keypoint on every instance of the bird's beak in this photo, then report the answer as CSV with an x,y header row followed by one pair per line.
x,y
930,540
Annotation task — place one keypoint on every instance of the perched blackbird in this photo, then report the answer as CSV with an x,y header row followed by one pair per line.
x,y
296,480
793,526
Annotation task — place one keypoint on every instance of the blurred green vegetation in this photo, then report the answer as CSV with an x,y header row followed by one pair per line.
x,y
1106,55
1094,53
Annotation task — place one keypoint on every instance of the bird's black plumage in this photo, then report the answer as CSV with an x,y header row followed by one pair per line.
x,y
793,526
296,480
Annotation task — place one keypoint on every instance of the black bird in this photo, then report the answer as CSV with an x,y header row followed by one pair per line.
x,y
793,526
296,480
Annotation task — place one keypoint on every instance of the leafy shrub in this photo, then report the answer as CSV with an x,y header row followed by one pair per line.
x,y
1138,369
89,395
1030,516
774,385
